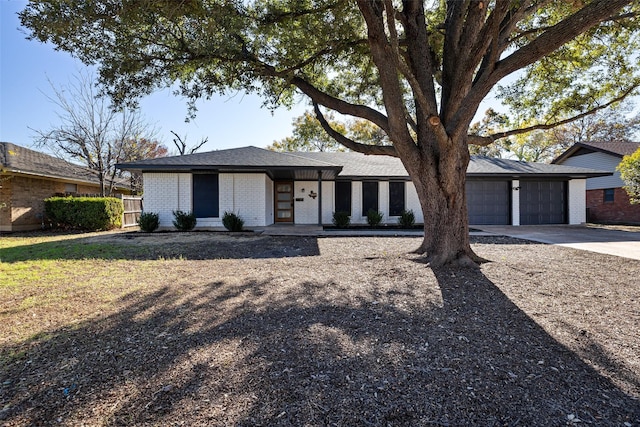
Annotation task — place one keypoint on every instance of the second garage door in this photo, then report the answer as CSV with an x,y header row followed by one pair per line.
x,y
543,202
488,202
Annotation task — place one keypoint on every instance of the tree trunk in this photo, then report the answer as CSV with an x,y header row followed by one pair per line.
x,y
439,180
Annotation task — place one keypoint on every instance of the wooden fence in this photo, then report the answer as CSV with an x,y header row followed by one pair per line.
x,y
132,210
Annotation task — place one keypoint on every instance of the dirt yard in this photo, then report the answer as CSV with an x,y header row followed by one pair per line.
x,y
292,331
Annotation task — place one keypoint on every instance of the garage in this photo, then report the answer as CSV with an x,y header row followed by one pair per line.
x,y
488,202
543,202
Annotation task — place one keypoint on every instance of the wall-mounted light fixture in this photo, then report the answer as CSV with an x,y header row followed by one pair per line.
x,y
313,194
515,188
302,190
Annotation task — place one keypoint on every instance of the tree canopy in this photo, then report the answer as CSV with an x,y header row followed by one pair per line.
x,y
309,135
416,69
629,169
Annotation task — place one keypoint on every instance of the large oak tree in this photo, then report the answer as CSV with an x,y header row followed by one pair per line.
x,y
417,69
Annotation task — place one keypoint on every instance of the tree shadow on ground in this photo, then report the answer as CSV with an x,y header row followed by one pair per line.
x,y
147,246
311,354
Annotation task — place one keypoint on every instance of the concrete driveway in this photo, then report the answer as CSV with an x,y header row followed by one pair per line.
x,y
619,242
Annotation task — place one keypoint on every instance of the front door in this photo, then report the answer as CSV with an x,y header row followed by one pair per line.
x,y
284,201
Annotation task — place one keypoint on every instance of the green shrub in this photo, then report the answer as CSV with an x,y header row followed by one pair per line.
x,y
407,219
374,218
341,219
85,213
149,221
232,222
184,221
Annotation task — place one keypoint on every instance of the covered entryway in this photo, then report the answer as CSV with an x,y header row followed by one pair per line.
x,y
283,202
488,202
543,202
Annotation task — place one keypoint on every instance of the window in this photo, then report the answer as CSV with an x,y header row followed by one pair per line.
x,y
205,196
609,195
71,188
343,196
396,198
369,197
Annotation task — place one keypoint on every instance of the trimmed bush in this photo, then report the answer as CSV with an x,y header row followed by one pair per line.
x,y
407,219
341,219
149,221
84,213
184,221
374,218
232,222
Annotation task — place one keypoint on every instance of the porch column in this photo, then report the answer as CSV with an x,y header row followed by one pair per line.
x,y
320,197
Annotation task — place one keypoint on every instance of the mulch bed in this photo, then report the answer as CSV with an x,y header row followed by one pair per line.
x,y
280,331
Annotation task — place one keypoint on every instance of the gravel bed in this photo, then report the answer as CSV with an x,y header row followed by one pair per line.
x,y
295,331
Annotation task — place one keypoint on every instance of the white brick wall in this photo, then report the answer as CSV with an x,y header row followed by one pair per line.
x,y
413,203
268,191
515,202
328,201
383,202
306,211
356,203
165,193
244,194
577,201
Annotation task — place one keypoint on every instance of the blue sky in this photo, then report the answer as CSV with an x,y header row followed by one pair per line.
x,y
26,65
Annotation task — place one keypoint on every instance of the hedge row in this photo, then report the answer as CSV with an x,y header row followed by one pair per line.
x,y
86,213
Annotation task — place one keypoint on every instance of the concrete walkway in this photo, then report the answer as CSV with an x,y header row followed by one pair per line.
x,y
595,239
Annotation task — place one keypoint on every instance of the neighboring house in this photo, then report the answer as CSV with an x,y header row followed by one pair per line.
x,y
607,201
27,177
266,187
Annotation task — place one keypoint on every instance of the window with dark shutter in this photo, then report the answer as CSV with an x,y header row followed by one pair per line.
x,y
205,196
343,196
369,197
396,198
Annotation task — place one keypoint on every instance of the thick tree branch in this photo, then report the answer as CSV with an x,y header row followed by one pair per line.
x,y
381,150
486,140
547,42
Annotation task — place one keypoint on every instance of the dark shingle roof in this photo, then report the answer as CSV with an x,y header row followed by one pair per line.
x,y
618,149
360,165
348,164
245,157
277,165
17,159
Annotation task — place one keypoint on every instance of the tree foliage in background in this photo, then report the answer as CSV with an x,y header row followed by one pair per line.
x,y
629,169
309,135
89,130
416,69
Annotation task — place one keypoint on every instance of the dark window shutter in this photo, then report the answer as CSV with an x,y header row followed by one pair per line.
x,y
369,197
206,201
396,198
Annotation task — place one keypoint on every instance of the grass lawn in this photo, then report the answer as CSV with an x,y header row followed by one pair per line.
x,y
218,329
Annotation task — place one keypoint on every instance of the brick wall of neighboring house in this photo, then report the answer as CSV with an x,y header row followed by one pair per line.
x,y
25,196
617,211
5,203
